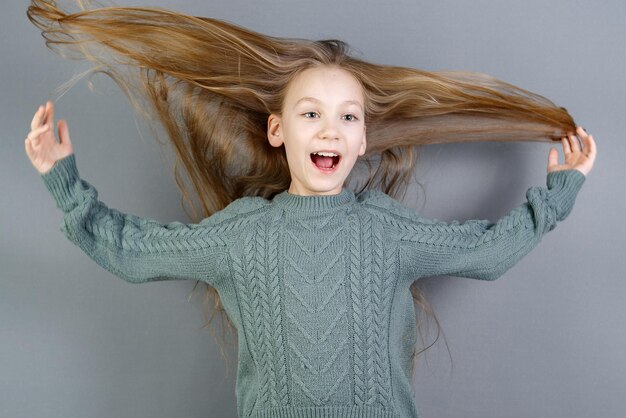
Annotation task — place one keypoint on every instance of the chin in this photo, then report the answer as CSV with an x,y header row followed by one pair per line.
x,y
328,187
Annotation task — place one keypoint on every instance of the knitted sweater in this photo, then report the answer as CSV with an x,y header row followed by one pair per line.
x,y
317,286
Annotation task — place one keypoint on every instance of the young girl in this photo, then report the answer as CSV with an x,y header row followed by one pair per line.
x,y
316,278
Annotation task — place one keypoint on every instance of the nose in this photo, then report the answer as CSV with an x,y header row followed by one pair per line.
x,y
328,130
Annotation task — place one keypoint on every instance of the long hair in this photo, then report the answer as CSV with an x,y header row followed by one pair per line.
x,y
213,84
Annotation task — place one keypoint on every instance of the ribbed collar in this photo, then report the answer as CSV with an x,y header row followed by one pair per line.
x,y
314,203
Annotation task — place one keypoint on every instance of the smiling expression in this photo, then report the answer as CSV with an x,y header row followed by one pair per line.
x,y
322,127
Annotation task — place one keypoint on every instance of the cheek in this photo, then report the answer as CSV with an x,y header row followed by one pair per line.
x,y
294,150
358,140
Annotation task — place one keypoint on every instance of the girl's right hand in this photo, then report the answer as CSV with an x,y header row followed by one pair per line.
x,y
41,145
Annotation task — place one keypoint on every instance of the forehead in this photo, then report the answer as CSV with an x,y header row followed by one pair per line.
x,y
325,84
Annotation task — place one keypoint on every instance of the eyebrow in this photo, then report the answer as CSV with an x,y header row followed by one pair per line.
x,y
313,99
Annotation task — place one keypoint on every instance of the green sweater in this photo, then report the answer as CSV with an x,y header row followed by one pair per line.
x,y
317,286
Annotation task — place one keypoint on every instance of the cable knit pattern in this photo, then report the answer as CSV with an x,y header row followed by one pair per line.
x,y
317,286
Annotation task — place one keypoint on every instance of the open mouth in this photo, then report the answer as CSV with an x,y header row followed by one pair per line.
x,y
325,161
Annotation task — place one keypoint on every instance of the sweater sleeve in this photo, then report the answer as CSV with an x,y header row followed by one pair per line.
x,y
481,249
135,249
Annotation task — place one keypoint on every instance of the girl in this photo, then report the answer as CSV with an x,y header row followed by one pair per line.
x,y
316,278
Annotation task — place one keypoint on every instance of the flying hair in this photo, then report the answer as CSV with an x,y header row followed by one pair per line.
x,y
212,85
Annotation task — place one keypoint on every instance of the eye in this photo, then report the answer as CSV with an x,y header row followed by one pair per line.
x,y
310,115
350,117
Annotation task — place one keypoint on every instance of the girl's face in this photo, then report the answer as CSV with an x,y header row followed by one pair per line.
x,y
322,128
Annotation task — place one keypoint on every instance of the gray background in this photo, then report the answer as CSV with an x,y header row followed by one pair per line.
x,y
545,340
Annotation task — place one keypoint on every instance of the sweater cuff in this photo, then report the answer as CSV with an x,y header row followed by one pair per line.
x,y
564,185
61,181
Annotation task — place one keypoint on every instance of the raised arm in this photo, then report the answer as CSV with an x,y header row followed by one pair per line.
x,y
481,249
135,249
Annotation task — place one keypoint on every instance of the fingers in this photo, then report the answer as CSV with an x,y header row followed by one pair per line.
x,y
34,124
588,143
567,149
49,118
64,133
28,145
33,135
571,143
42,122
591,145
553,158
44,114
589,148
574,142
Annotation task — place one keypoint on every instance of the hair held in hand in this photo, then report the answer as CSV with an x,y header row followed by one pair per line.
x,y
212,85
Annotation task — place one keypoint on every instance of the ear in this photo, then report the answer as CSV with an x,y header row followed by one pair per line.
x,y
274,130
363,142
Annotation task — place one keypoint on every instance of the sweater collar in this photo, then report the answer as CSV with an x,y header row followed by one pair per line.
x,y
315,203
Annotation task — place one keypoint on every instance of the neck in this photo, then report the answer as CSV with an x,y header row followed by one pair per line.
x,y
295,190
315,202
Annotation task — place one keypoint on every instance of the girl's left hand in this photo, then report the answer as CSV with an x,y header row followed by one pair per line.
x,y
575,158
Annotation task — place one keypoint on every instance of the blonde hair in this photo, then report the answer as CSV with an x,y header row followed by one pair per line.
x,y
213,84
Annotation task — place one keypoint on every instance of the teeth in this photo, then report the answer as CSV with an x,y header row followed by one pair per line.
x,y
326,154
